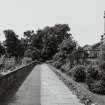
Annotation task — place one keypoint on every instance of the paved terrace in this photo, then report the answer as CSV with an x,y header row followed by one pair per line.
x,y
41,87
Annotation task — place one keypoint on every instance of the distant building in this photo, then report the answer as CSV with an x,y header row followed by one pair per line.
x,y
93,51
97,49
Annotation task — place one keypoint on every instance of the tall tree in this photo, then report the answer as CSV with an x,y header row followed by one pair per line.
x,y
48,39
13,44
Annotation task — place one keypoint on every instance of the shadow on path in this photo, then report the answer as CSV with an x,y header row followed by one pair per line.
x,y
10,97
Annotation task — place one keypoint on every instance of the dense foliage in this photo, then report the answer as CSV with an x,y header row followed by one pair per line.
x,y
92,74
13,45
48,39
2,49
56,43
79,73
98,87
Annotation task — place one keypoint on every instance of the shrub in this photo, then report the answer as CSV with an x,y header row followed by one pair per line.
x,y
102,70
57,64
102,66
78,73
26,60
65,68
95,78
9,64
98,87
92,74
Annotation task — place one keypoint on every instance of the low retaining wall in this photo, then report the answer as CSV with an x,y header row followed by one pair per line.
x,y
10,78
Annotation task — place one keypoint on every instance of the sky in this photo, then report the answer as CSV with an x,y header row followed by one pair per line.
x,y
85,17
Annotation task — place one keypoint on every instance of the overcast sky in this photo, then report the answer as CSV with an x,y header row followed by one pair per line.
x,y
85,17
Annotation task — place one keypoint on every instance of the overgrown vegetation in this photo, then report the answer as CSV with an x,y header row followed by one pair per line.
x,y
41,45
55,43
78,72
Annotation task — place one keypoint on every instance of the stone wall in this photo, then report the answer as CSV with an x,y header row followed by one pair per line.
x,y
9,79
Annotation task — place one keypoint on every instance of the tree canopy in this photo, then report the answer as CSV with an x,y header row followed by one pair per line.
x,y
13,44
48,39
42,44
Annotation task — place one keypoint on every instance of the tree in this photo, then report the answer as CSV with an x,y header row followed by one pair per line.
x,y
2,49
33,53
67,45
66,48
13,45
28,37
96,45
48,39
